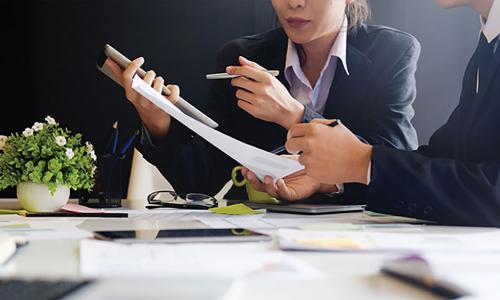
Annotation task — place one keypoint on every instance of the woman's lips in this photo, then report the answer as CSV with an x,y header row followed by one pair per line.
x,y
297,22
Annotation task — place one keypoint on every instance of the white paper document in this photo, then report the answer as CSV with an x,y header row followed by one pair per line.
x,y
291,239
107,259
261,162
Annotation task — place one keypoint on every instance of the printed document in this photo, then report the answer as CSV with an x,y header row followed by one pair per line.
x,y
261,162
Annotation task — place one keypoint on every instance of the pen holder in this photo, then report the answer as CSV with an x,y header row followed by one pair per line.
x,y
108,189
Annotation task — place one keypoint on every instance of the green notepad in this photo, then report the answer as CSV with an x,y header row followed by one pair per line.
x,y
12,212
236,209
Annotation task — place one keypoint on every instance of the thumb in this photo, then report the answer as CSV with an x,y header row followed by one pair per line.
x,y
323,121
246,62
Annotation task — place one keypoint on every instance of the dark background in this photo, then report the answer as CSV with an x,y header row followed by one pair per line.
x,y
49,48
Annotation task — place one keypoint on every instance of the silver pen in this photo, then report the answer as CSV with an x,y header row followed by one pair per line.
x,y
274,73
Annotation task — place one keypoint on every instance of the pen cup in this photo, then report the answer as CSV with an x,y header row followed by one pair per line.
x,y
253,194
108,189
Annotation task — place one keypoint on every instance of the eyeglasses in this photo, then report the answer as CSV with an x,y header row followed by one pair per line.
x,y
172,199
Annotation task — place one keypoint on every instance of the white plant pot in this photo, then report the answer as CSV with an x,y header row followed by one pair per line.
x,y
36,197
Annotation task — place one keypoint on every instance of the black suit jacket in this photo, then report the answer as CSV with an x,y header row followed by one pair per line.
x,y
456,178
374,101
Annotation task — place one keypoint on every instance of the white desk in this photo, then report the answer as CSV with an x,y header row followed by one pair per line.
x,y
348,275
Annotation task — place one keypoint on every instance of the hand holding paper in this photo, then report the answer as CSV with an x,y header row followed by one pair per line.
x,y
261,162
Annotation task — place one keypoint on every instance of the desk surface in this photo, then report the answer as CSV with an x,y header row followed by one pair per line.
x,y
348,275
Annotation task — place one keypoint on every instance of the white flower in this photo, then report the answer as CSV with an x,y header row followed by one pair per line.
x,y
92,154
37,126
28,132
69,153
3,141
89,146
50,120
60,140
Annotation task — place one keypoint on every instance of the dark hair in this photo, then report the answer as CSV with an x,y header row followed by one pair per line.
x,y
358,13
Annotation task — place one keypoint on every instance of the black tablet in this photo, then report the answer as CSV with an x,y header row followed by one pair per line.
x,y
183,236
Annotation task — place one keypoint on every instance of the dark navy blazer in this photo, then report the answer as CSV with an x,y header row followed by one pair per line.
x,y
374,101
456,178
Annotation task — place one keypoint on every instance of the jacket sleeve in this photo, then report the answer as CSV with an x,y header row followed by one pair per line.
x,y
443,190
393,112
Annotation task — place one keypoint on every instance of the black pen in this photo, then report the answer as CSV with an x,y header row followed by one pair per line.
x,y
282,149
76,215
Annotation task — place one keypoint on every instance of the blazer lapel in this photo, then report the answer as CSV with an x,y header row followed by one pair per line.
x,y
492,71
342,83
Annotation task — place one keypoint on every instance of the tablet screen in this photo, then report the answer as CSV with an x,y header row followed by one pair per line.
x,y
182,235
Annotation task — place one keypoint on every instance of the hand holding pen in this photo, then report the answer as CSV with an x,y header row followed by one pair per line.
x,y
262,95
330,155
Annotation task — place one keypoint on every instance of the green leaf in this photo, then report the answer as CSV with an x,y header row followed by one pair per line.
x,y
47,177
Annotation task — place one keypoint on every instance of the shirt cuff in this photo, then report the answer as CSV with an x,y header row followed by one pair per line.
x,y
340,189
369,174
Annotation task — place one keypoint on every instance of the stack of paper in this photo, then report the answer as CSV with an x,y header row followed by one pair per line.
x,y
291,239
7,247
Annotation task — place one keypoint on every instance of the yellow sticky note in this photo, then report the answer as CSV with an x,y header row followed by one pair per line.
x,y
12,212
237,209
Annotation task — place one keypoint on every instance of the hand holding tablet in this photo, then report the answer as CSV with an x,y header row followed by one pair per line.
x,y
124,62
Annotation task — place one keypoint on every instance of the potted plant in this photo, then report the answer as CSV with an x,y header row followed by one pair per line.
x,y
45,162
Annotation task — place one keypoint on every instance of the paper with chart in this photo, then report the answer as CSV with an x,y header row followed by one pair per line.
x,y
261,162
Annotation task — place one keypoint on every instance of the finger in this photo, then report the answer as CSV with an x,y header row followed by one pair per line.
x,y
248,107
175,93
251,73
246,96
158,84
245,83
130,71
246,62
323,121
270,186
149,77
299,130
297,145
115,69
255,182
283,191
244,171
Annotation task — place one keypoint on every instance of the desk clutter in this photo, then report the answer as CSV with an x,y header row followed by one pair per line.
x,y
391,240
109,171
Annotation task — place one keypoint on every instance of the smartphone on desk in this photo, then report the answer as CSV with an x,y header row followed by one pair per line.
x,y
202,235
124,62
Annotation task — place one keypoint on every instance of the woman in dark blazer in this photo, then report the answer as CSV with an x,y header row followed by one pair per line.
x,y
332,65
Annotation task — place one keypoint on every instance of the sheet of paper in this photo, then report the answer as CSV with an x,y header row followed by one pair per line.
x,y
291,239
107,259
261,162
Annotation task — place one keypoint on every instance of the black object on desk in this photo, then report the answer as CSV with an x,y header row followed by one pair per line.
x,y
77,215
15,289
415,270
109,173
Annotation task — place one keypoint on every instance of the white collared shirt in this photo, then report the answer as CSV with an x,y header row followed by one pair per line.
x,y
300,87
491,28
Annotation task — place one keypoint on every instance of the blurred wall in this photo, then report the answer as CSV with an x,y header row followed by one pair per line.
x,y
49,50
448,39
